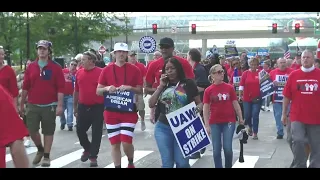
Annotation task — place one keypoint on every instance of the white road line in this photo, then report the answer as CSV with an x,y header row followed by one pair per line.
x,y
249,162
65,160
308,163
29,150
79,142
193,161
137,156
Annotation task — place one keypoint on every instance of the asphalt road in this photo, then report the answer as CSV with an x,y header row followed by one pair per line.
x,y
267,152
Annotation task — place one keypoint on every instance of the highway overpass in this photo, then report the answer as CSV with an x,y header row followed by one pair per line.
x,y
220,35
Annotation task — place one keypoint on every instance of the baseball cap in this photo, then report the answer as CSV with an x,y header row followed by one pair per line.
x,y
44,43
132,53
120,47
166,41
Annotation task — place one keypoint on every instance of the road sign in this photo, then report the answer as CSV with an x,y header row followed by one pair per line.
x,y
147,44
102,50
174,30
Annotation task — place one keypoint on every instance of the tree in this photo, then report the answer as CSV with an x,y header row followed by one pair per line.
x,y
68,31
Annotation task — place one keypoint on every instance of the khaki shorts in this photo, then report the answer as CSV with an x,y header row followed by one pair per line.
x,y
140,102
44,115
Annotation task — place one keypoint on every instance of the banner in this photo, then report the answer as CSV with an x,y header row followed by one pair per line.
x,y
188,129
121,100
266,84
236,81
281,82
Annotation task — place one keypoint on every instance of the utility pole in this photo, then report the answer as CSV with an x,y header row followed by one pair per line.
x,y
76,33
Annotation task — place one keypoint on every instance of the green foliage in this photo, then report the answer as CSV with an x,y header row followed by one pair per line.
x,y
61,28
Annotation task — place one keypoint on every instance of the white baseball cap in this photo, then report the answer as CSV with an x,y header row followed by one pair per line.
x,y
120,47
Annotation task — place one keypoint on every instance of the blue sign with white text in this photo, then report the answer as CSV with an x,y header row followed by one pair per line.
x,y
281,81
266,84
120,100
188,129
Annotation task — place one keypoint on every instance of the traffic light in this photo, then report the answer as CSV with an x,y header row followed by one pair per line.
x,y
193,29
274,28
297,28
154,28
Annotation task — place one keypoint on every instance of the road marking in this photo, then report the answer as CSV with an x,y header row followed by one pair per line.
x,y
29,150
79,142
249,162
308,163
137,156
65,160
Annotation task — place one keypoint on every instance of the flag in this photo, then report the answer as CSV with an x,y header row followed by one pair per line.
x,y
286,54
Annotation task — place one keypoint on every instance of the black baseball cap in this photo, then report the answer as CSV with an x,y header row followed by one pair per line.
x,y
166,41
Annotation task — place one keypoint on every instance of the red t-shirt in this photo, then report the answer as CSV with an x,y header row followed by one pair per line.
x,y
155,70
69,86
12,127
128,74
277,73
220,98
295,66
142,68
86,84
8,80
43,85
304,92
250,82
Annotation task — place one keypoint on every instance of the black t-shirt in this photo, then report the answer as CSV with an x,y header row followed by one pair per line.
x,y
201,78
175,96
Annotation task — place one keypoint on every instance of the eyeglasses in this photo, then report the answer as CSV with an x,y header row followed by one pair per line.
x,y
73,64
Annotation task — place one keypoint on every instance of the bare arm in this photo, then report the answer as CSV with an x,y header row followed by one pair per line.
x,y
148,89
137,89
60,99
285,105
155,96
75,100
23,97
101,89
237,108
206,114
198,102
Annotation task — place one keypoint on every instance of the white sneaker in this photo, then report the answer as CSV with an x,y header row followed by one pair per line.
x,y
143,126
27,143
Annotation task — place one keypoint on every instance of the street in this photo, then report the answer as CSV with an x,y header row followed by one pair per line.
x,y
267,152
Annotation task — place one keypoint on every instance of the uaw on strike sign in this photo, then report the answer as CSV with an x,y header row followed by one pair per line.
x,y
188,129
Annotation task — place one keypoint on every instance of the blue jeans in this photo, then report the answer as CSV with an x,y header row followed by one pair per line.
x,y
277,112
224,131
168,147
67,105
251,115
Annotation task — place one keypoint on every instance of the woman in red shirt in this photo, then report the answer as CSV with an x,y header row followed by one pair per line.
x,y
249,91
219,101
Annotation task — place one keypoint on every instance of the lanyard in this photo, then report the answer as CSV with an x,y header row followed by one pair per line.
x,y
115,76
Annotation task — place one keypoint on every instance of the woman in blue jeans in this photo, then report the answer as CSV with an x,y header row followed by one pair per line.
x,y
220,105
173,93
249,91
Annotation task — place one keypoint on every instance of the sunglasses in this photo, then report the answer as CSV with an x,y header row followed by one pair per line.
x,y
219,72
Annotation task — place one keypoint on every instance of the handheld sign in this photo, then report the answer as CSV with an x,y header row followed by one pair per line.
x,y
147,44
278,89
120,101
188,129
266,84
236,80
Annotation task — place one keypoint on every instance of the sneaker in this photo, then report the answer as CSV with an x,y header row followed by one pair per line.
x,y
37,158
62,126
280,137
85,156
131,166
143,126
45,162
202,151
70,128
93,162
27,143
255,136
195,156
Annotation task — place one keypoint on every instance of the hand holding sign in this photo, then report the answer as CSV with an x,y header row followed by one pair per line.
x,y
124,88
111,89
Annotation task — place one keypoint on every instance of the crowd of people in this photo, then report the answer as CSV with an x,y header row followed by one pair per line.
x,y
225,90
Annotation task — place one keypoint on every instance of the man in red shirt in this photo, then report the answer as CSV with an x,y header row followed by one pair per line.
x,y
139,97
116,78
8,78
69,77
302,89
43,84
12,132
279,77
297,62
155,69
88,108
